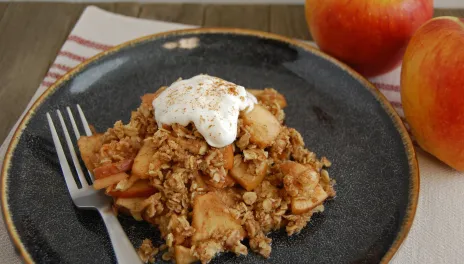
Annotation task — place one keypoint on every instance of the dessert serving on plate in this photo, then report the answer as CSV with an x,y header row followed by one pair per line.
x,y
210,164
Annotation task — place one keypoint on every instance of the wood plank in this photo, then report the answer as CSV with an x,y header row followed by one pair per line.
x,y
239,16
31,36
290,21
104,5
3,7
181,13
128,9
449,12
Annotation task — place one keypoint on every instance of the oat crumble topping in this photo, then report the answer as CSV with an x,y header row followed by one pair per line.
x,y
206,200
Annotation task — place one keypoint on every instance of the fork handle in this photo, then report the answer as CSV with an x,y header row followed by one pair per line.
x,y
123,248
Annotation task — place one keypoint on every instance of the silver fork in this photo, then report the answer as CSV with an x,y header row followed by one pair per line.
x,y
87,197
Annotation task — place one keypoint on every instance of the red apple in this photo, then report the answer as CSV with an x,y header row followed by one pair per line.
x,y
432,88
368,35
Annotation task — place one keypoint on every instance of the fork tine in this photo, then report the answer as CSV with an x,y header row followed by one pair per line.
x,y
71,184
77,165
73,123
76,131
84,121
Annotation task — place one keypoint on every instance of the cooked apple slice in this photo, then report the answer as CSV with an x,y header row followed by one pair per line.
x,y
210,216
126,183
149,97
113,168
88,146
140,188
307,178
228,154
262,126
269,95
143,159
110,180
182,255
301,205
246,179
228,182
127,205
292,168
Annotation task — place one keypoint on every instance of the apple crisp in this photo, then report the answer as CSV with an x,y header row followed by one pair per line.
x,y
207,200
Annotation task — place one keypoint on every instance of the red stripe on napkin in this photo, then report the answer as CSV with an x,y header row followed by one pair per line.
x,y
88,43
72,56
54,75
387,87
47,84
396,104
61,67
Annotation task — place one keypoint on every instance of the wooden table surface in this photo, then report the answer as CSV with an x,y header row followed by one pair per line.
x,y
31,35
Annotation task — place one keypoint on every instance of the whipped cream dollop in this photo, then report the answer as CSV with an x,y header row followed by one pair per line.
x,y
211,103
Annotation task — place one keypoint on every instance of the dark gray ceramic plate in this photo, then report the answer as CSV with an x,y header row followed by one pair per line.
x,y
339,114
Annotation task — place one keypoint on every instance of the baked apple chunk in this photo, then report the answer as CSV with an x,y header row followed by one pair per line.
x,y
262,125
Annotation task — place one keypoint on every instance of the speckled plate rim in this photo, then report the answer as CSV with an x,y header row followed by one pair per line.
x,y
411,155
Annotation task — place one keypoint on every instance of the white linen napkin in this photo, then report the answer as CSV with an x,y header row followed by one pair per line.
x,y
437,234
